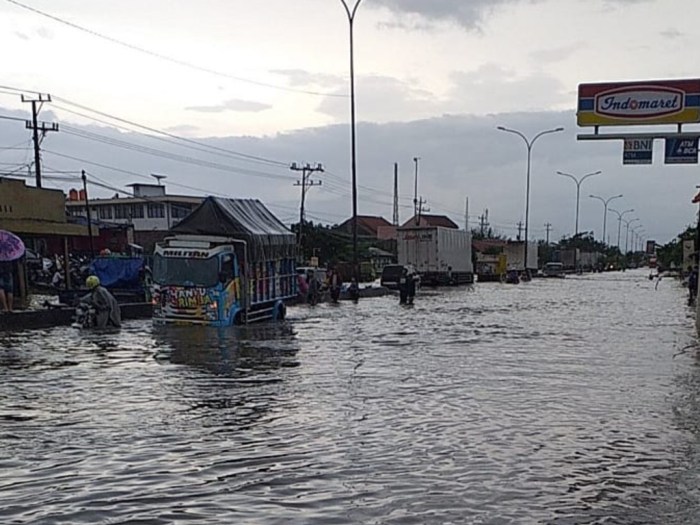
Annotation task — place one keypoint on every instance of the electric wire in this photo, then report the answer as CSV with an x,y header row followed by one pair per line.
x,y
167,58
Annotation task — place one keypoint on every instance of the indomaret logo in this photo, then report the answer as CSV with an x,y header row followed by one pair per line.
x,y
640,102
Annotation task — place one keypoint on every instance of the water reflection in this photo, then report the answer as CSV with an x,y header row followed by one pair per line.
x,y
550,402
237,351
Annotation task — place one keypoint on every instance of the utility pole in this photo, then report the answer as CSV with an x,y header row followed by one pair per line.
x,y
37,101
415,192
395,219
548,228
306,171
89,219
421,208
466,215
520,228
483,222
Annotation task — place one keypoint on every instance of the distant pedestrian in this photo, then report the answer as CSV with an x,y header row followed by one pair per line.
x,y
333,283
7,287
354,290
403,287
692,284
314,288
412,280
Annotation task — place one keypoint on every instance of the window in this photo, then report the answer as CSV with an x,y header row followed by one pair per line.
x,y
104,212
156,210
121,211
136,211
179,211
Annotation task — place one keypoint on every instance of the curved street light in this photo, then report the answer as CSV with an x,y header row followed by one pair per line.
x,y
605,209
351,20
529,143
578,189
635,235
627,224
620,215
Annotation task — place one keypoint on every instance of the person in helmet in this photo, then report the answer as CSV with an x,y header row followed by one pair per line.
x,y
107,311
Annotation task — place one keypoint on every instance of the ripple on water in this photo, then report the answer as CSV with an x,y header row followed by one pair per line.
x,y
556,401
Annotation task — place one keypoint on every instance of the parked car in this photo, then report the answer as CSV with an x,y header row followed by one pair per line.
x,y
553,269
391,274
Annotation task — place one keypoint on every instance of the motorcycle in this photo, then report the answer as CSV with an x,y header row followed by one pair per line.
x,y
85,316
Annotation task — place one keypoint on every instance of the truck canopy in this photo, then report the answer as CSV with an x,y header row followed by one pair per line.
x,y
245,219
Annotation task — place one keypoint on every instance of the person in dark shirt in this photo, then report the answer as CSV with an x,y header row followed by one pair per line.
x,y
7,287
692,284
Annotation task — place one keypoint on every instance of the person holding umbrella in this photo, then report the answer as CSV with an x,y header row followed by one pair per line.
x,y
11,249
6,286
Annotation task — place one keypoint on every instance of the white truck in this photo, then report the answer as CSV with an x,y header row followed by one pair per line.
x,y
441,256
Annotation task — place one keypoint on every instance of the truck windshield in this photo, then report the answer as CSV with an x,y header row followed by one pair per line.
x,y
185,272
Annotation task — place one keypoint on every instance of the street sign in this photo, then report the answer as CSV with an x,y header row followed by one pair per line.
x,y
638,151
681,151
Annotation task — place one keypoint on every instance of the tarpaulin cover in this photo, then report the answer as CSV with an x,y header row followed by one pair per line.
x,y
118,272
244,219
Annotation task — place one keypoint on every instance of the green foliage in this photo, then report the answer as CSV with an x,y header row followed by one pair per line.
x,y
671,254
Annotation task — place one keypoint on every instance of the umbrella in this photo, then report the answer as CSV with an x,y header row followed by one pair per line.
x,y
11,246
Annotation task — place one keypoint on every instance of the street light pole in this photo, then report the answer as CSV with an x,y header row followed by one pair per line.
x,y
627,224
529,144
578,189
633,240
605,210
619,223
351,20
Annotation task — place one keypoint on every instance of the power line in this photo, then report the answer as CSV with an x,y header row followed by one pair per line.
x,y
167,58
167,155
228,152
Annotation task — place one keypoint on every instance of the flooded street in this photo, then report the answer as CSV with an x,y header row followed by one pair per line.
x,y
555,401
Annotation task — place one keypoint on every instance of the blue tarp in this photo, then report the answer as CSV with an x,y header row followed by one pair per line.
x,y
118,272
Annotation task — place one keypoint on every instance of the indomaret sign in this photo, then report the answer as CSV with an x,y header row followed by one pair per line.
x,y
639,103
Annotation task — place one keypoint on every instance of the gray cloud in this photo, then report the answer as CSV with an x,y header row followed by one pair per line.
x,y
461,155
45,33
301,78
555,54
386,98
671,33
232,105
467,13
183,129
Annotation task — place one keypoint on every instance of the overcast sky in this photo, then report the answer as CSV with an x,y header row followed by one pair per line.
x,y
433,80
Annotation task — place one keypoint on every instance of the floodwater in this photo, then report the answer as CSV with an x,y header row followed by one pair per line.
x,y
557,402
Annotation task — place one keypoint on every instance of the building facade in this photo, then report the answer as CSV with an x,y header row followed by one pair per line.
x,y
151,211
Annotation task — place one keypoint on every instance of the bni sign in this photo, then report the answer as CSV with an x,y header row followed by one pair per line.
x,y
638,151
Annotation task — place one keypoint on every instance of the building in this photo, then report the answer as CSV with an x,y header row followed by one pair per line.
x,y
430,220
370,226
151,211
38,217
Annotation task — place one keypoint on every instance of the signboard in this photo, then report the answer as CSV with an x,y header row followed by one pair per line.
x,y
681,150
644,102
638,151
651,247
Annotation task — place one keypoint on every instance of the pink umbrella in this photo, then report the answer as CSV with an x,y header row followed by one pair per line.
x,y
11,246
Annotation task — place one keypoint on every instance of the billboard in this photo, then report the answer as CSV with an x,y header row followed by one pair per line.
x,y
637,151
639,103
651,247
